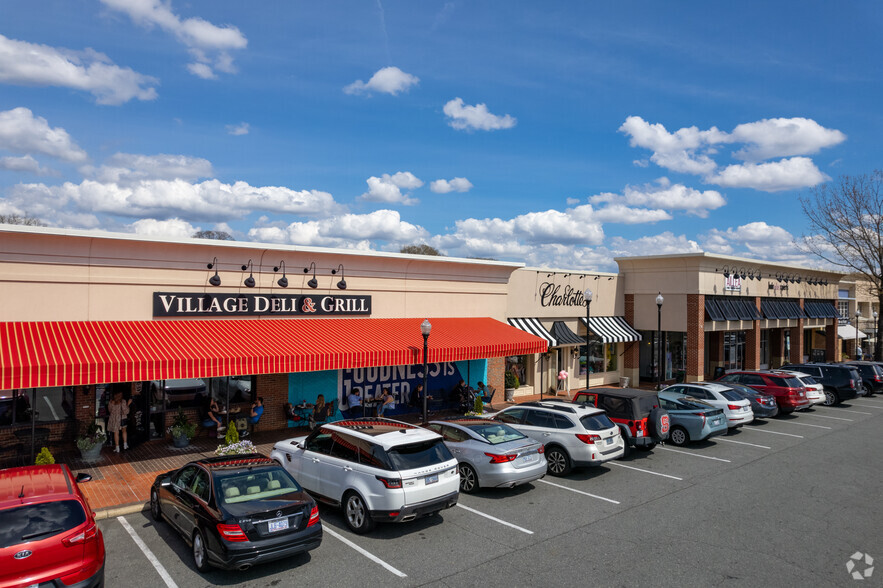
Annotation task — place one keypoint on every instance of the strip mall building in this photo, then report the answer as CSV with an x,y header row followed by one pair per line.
x,y
86,314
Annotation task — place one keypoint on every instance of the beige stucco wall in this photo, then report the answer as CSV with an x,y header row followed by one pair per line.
x,y
527,284
51,275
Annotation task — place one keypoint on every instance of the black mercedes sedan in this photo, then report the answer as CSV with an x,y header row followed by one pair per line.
x,y
237,511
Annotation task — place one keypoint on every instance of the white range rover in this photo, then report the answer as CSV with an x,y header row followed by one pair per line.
x,y
375,469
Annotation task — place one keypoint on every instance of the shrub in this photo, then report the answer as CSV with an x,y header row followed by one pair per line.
x,y
511,380
232,436
479,405
182,426
44,457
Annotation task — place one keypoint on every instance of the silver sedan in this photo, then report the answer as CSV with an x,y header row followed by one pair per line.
x,y
491,454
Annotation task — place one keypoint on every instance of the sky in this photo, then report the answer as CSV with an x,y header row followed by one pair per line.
x,y
557,134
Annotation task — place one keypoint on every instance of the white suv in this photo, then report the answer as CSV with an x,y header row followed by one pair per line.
x,y
375,469
573,435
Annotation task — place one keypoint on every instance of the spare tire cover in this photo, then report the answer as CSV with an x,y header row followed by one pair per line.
x,y
659,422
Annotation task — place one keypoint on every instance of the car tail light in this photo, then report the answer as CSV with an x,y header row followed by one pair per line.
x,y
393,483
232,533
851,383
84,536
701,414
589,439
877,378
733,406
314,516
542,449
501,458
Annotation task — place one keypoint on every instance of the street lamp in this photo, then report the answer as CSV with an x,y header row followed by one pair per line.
x,y
659,301
588,295
425,329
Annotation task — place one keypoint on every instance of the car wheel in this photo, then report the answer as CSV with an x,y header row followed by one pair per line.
x,y
679,436
830,397
645,447
200,555
355,513
155,510
468,479
558,461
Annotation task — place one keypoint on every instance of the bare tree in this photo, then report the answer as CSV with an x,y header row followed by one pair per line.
x,y
846,225
15,219
422,249
217,235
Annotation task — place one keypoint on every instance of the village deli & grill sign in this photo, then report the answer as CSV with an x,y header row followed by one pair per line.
x,y
198,305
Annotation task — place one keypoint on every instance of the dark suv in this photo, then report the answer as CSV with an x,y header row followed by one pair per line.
x,y
872,375
840,381
641,420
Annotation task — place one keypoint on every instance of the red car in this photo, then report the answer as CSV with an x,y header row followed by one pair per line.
x,y
48,534
789,392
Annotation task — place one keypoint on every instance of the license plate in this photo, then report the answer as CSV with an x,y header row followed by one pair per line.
x,y
525,458
716,422
277,525
609,441
431,479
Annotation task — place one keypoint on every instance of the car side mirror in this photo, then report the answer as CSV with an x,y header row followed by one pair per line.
x,y
165,482
83,477
298,444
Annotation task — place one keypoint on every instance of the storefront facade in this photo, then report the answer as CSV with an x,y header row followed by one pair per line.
x,y
170,323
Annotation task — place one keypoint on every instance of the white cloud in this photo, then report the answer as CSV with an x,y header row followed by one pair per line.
x,y
30,64
208,44
173,228
662,244
453,185
572,201
641,163
355,231
389,80
25,163
22,132
758,240
684,151
787,174
620,213
465,117
127,168
236,130
388,188
783,137
665,196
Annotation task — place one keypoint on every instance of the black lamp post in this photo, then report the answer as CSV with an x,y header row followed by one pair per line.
x,y
659,301
425,329
588,295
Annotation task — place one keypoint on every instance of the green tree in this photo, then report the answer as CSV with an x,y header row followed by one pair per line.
x,y
421,249
846,229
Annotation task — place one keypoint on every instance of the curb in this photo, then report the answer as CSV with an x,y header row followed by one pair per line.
x,y
109,513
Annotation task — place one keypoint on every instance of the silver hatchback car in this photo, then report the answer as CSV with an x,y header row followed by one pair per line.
x,y
491,454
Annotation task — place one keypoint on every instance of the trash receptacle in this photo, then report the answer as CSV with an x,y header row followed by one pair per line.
x,y
624,382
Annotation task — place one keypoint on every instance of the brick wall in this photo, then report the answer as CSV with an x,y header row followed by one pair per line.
x,y
832,349
273,388
752,343
695,337
496,368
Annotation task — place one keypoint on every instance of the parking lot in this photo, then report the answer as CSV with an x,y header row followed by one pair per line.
x,y
786,500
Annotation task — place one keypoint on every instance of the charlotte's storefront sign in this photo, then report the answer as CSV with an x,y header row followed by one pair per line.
x,y
552,294
733,284
192,305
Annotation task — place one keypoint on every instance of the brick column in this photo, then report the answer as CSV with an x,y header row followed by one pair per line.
x,y
84,411
496,367
273,388
797,351
695,337
632,358
752,343
832,349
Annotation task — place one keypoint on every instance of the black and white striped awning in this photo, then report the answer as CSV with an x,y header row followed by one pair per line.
x,y
534,327
565,336
613,329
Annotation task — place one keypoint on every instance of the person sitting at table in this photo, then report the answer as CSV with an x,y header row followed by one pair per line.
x,y
484,392
354,400
385,400
211,415
319,411
254,415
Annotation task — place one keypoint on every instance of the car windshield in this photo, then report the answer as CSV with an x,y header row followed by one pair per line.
x,y
694,403
808,380
34,522
249,485
790,382
496,433
730,395
596,422
419,455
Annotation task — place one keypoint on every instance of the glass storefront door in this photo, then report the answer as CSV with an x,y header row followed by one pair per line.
x,y
734,350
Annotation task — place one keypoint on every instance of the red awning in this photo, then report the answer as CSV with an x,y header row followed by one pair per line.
x,y
42,354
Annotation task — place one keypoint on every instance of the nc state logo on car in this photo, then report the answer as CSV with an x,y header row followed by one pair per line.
x,y
664,421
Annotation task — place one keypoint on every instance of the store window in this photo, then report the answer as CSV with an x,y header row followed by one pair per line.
x,y
517,365
734,350
46,405
764,349
596,357
611,357
843,309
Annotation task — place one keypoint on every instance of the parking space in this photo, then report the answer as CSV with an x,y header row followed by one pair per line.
x,y
790,497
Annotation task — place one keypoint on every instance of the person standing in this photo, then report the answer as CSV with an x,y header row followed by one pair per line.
x,y
354,400
118,409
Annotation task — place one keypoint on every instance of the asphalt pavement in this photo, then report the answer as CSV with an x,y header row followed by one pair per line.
x,y
786,501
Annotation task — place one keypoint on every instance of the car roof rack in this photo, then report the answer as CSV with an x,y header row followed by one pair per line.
x,y
559,407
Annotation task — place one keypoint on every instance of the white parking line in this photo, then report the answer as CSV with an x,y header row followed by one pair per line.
x,y
622,465
495,519
578,491
806,425
694,454
821,416
367,554
852,411
742,443
773,432
866,405
148,554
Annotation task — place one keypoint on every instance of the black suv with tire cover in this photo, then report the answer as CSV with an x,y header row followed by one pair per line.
x,y
840,381
642,421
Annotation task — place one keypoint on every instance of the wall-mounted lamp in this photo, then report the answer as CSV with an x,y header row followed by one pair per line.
x,y
283,281
597,277
312,283
249,281
215,280
550,275
566,275
770,286
342,283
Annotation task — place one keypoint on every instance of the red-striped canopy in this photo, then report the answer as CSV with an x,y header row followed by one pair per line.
x,y
41,354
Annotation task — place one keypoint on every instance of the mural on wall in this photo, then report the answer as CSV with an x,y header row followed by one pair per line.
x,y
330,388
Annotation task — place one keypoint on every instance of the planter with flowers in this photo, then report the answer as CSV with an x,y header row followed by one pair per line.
x,y
91,442
232,445
182,430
